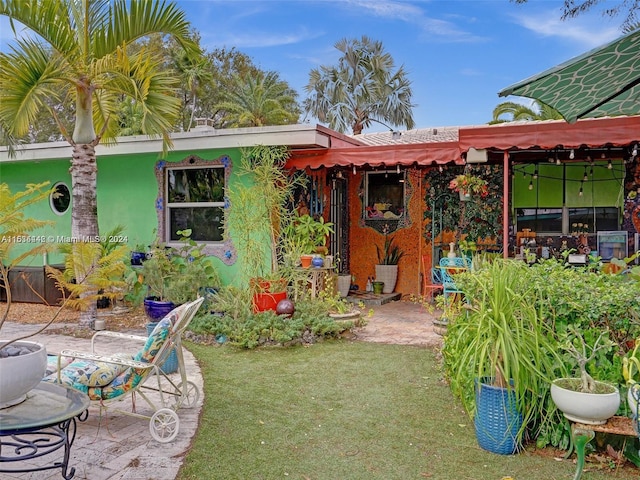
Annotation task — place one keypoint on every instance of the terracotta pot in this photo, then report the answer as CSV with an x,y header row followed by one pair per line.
x,y
305,261
267,301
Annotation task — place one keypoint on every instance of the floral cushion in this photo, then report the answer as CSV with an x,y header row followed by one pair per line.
x,y
103,380
52,363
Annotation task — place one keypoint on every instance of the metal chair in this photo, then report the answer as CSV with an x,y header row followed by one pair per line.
x,y
431,279
447,268
108,379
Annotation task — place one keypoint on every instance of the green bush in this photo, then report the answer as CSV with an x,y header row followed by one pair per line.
x,y
585,298
235,319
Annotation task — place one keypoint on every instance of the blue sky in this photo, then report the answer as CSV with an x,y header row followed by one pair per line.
x,y
458,53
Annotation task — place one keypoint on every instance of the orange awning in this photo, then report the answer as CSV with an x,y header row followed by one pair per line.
x,y
375,156
618,131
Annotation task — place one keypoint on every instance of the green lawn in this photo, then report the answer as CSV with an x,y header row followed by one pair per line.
x,y
343,410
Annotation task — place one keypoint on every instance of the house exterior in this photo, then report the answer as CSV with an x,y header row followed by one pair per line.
x,y
370,186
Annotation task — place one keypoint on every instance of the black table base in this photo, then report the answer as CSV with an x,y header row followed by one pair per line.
x,y
30,444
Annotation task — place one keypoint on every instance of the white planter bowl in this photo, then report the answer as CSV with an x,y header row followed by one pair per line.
x,y
587,408
22,373
632,398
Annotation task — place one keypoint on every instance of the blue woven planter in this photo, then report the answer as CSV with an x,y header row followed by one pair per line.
x,y
170,365
497,419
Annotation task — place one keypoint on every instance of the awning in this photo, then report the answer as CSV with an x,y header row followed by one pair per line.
x,y
618,131
375,156
602,82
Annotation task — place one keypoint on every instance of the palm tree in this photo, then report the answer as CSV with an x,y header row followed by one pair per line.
x,y
518,111
361,89
79,55
258,99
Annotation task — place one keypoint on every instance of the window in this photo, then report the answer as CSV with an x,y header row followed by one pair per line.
x,y
191,195
195,200
60,198
385,200
549,220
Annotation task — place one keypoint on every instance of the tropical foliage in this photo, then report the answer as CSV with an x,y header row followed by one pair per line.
x,y
478,218
572,312
259,99
80,56
517,112
365,86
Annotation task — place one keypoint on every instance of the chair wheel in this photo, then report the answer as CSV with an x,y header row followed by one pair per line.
x,y
164,425
191,395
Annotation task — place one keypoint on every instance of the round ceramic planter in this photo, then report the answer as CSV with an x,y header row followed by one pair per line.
x,y
389,275
155,309
21,373
587,408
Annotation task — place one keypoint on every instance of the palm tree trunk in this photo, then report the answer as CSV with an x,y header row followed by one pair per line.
x,y
84,210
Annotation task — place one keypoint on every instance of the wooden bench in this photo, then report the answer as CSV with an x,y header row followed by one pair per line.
x,y
582,434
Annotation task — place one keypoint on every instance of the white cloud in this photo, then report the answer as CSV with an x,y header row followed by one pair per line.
x,y
587,31
443,29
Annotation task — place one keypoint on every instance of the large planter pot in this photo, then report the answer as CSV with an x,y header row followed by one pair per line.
x,y
588,408
389,275
267,301
156,309
21,373
497,419
344,284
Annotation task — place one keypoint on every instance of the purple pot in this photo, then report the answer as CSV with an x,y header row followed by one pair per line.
x,y
156,309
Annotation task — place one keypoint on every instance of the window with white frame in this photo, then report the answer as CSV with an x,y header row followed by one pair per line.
x,y
195,200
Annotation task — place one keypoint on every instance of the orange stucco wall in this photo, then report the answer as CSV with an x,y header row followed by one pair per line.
x,y
363,239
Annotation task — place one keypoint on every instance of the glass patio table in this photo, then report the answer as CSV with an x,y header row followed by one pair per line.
x,y
44,423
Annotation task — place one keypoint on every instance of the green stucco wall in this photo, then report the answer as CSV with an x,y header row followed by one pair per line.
x,y
127,191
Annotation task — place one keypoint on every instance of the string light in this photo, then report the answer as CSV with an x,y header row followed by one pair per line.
x,y
354,169
535,174
530,184
634,152
572,154
585,177
558,162
398,168
609,164
580,192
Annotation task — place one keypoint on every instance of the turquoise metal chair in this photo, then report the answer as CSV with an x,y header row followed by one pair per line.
x,y
448,267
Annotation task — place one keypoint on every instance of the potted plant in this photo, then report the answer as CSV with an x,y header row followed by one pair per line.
x,y
388,258
257,220
309,234
584,399
499,354
175,275
466,184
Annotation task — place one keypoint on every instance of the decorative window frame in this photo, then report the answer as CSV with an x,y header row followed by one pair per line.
x,y
225,250
386,224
